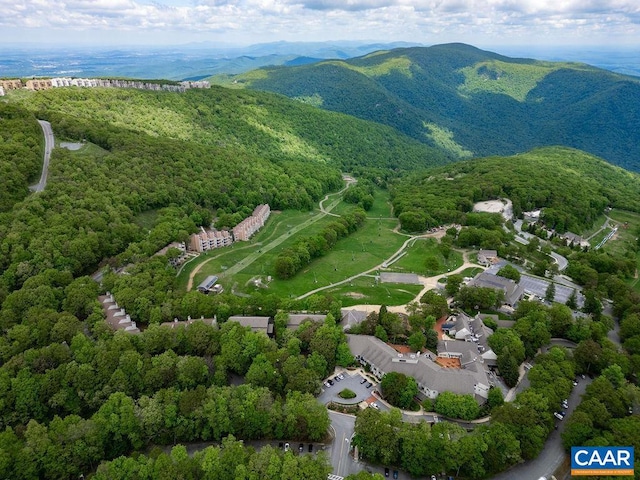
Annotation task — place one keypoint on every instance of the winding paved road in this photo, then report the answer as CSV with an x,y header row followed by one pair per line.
x,y
49,143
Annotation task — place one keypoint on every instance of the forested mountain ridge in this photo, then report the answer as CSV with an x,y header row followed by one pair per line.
x,y
572,186
471,102
198,152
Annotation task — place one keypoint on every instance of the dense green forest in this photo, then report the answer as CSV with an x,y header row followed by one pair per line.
x,y
254,122
20,154
76,397
473,102
194,153
572,186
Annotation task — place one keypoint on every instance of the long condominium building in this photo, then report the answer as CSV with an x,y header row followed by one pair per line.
x,y
210,239
250,225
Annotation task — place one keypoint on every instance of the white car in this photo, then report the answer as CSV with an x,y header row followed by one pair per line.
x,y
340,376
375,405
327,384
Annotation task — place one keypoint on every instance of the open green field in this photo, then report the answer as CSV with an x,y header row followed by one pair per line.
x,y
359,252
381,207
424,258
365,290
245,268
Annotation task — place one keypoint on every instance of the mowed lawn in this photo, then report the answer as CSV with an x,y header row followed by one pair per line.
x,y
246,268
423,257
365,290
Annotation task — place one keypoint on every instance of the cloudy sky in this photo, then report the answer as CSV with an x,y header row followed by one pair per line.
x,y
242,22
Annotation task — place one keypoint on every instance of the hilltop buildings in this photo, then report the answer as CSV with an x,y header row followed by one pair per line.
x,y
46,83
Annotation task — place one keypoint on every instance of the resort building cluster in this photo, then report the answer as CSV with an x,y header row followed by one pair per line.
x,y
210,239
47,83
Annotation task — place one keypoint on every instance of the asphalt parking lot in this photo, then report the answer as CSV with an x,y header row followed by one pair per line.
x,y
352,381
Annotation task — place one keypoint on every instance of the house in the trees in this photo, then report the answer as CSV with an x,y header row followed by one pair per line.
x,y
190,321
257,324
296,319
513,292
473,331
351,318
116,316
487,257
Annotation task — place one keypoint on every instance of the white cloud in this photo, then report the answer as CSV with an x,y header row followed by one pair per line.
x,y
261,20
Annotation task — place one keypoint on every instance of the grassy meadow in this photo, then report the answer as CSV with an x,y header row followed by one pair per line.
x,y
247,267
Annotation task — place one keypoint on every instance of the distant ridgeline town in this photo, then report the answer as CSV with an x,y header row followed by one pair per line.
x,y
45,84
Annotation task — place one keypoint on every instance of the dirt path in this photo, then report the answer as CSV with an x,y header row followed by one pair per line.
x,y
412,238
428,283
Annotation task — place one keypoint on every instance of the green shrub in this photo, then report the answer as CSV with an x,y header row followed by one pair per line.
x,y
346,394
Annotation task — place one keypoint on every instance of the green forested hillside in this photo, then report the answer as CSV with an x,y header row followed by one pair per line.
x,y
218,149
572,186
273,127
20,154
468,101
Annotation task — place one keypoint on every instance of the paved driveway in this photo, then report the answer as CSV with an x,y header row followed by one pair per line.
x,y
352,381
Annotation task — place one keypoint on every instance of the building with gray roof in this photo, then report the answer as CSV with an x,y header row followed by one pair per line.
x,y
432,379
296,319
207,285
257,324
351,318
512,291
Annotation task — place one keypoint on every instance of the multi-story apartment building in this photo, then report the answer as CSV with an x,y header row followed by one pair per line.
x,y
208,240
38,84
13,84
246,228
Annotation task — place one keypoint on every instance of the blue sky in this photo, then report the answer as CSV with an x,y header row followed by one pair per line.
x,y
243,22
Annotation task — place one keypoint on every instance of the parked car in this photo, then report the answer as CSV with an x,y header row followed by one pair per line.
x,y
301,447
557,415
327,384
386,471
340,376
369,384
310,447
336,379
364,380
395,474
281,445
375,405
330,381
286,447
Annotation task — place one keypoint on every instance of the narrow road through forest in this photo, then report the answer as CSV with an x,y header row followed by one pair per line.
x,y
49,143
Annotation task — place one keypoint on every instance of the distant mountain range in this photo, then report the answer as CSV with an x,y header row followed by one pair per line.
x,y
183,62
471,102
